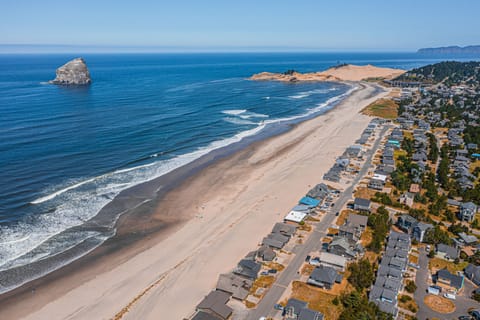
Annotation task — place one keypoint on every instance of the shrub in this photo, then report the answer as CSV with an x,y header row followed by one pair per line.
x,y
411,286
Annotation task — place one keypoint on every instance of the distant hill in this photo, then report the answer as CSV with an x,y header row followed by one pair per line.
x,y
451,50
450,72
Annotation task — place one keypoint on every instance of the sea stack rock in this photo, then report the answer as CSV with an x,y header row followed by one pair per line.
x,y
74,72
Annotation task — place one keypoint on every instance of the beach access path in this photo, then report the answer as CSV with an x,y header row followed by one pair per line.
x,y
265,307
233,204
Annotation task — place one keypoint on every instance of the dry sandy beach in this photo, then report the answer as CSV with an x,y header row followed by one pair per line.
x,y
230,206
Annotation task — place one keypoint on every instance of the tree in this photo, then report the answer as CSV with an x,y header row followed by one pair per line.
x,y
356,306
433,148
436,236
361,274
476,296
380,223
411,286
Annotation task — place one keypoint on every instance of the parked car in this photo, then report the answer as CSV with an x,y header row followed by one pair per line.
x,y
450,296
338,212
307,258
264,273
427,248
272,271
464,318
278,307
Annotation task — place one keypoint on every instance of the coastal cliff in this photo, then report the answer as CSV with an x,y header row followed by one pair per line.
x,y
347,72
451,50
74,72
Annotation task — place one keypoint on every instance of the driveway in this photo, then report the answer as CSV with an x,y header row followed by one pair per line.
x,y
462,303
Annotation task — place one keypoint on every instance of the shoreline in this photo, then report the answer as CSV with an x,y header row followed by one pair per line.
x,y
141,198
130,251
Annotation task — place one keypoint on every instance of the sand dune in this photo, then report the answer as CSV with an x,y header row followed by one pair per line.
x,y
347,72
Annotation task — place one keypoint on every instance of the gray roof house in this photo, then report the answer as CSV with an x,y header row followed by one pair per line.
x,y
420,229
467,239
343,247
200,315
472,272
357,221
215,303
324,277
406,222
450,281
298,310
307,314
237,286
447,252
383,294
266,253
393,284
248,269
467,211
376,184
386,271
284,229
395,263
361,204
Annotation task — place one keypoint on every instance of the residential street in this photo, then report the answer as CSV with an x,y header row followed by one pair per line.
x,y
265,307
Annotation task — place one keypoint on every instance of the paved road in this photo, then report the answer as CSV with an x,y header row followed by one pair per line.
x,y
462,302
265,307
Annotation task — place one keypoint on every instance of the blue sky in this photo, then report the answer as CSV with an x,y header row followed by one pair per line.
x,y
277,25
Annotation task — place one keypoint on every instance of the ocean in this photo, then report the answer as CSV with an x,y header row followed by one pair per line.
x,y
65,152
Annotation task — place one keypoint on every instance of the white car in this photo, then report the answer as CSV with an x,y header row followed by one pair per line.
x,y
450,296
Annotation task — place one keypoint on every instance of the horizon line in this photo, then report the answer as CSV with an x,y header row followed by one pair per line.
x,y
8,48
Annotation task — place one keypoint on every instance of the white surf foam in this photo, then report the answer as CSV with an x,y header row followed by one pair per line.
x,y
305,94
239,121
75,204
82,201
249,115
234,112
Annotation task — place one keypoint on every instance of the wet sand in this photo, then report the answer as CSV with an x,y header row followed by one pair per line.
x,y
160,265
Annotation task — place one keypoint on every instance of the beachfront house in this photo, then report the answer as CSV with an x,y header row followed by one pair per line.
x,y
237,286
295,217
215,303
284,229
248,269
266,253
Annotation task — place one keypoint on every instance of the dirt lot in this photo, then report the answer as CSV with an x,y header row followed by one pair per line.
x,y
317,299
439,304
